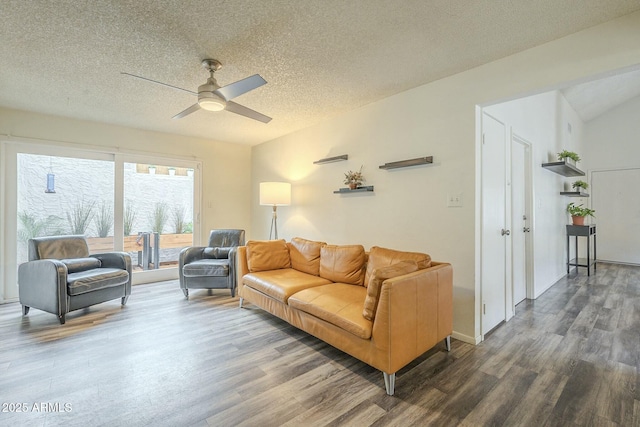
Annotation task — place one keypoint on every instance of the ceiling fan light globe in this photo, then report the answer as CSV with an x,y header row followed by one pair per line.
x,y
212,104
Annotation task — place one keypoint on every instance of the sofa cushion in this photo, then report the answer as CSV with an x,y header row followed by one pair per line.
x,y
337,303
265,255
206,267
375,284
382,257
281,284
80,264
220,252
342,264
98,278
305,255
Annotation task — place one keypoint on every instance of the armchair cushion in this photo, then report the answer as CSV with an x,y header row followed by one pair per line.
x,y
217,252
206,267
75,265
98,278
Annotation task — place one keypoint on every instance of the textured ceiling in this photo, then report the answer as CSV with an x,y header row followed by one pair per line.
x,y
320,58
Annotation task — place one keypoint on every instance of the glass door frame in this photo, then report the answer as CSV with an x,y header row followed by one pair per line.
x,y
9,150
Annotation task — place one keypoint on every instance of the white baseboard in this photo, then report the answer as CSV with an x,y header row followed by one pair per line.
x,y
465,338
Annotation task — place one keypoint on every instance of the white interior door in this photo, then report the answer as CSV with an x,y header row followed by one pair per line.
x,y
519,217
494,228
614,196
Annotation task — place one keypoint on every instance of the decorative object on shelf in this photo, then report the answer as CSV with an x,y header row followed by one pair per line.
x,y
578,212
152,170
332,159
275,194
578,190
172,171
354,179
357,190
568,157
51,185
190,172
406,163
580,185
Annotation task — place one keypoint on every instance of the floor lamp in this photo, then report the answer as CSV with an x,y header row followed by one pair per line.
x,y
275,194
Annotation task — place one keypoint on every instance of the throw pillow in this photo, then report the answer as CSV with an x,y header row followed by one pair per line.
x,y
375,284
342,264
265,255
383,257
305,255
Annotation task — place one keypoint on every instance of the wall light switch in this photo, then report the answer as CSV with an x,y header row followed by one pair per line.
x,y
454,200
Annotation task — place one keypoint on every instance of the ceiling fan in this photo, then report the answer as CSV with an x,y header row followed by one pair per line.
x,y
212,97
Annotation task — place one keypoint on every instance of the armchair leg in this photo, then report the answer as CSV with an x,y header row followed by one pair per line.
x,y
447,342
124,300
25,310
389,382
61,319
185,291
233,292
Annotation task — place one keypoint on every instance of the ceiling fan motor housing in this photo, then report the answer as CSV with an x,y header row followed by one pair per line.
x,y
207,99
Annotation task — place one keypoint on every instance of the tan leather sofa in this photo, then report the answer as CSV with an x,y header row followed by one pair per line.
x,y
384,307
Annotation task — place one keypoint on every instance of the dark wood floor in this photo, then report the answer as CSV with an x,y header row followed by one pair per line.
x,y
569,358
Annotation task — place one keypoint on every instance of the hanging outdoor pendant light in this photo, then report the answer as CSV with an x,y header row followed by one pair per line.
x,y
51,185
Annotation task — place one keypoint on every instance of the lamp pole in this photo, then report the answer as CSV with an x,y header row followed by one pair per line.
x,y
274,223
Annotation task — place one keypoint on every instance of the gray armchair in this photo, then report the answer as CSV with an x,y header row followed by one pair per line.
x,y
213,266
61,276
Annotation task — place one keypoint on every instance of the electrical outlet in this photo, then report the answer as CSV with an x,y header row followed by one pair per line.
x,y
454,200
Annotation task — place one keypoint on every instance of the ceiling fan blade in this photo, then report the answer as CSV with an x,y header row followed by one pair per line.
x,y
247,112
195,107
240,87
160,83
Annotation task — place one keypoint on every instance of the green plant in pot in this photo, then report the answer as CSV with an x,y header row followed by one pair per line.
x,y
354,179
578,212
580,186
565,155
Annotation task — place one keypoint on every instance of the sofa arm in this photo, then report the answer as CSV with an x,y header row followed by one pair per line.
x,y
415,311
242,266
121,260
42,284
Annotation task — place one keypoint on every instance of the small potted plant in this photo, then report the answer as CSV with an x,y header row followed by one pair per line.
x,y
578,212
580,186
152,169
354,179
568,157
172,171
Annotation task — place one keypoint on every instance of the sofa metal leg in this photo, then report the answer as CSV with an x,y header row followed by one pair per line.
x,y
61,319
241,301
123,302
447,342
25,310
185,291
389,382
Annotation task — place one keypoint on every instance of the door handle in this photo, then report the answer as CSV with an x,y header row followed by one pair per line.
x,y
525,229
505,232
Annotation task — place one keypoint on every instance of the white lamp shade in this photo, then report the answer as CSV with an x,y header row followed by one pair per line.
x,y
275,193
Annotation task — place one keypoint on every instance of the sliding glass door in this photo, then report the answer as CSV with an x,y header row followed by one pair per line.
x,y
144,205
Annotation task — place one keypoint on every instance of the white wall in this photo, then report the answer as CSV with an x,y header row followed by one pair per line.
x,y
408,209
612,140
543,120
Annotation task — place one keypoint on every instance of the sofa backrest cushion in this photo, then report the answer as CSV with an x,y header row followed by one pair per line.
x,y
263,255
378,276
382,257
305,255
342,264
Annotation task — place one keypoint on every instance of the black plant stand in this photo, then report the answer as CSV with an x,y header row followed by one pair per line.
x,y
584,231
